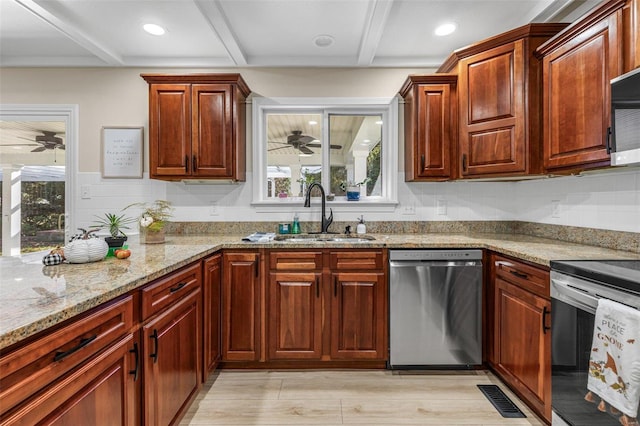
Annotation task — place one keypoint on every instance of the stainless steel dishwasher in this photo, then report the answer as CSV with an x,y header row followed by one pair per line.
x,y
435,308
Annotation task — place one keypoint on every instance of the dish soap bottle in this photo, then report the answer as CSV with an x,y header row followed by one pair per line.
x,y
361,228
295,227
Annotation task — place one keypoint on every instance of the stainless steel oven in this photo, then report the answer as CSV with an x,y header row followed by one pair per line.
x,y
576,287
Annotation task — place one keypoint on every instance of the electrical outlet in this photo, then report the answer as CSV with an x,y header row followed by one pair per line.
x,y
441,207
85,192
409,209
555,208
213,209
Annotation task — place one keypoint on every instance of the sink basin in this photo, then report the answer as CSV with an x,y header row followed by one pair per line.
x,y
313,238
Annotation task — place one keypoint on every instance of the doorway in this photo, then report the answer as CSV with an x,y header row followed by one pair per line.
x,y
37,162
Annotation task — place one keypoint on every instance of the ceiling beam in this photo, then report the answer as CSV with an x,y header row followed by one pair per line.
x,y
374,27
213,13
46,12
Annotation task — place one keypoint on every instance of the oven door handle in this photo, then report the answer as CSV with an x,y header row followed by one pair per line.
x,y
565,292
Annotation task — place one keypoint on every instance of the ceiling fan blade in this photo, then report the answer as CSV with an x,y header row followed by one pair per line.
x,y
303,149
39,149
336,146
280,147
313,145
60,147
21,144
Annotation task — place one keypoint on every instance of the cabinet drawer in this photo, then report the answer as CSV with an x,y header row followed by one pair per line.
x,y
356,260
525,276
170,289
295,260
33,366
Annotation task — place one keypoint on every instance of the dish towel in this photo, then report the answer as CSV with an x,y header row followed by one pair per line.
x,y
614,366
260,237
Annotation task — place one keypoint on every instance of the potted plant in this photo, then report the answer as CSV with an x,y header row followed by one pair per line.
x,y
152,220
352,189
114,223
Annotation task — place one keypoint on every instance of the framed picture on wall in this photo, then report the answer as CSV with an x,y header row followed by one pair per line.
x,y
122,155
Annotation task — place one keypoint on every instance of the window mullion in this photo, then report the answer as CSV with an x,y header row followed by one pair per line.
x,y
326,151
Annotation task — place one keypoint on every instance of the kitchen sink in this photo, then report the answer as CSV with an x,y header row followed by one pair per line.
x,y
328,238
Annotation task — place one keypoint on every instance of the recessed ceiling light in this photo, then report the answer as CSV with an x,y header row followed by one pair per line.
x,y
366,140
323,40
302,154
445,29
379,122
313,123
154,29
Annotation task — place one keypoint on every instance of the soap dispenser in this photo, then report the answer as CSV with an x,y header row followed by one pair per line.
x,y
361,228
295,227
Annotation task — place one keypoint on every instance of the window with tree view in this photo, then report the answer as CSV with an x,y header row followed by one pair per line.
x,y
341,148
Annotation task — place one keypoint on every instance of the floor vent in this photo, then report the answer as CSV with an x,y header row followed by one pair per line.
x,y
503,404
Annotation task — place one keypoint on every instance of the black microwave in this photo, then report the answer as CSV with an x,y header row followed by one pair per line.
x,y
624,143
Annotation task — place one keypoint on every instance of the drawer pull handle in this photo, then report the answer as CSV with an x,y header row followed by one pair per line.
x,y
154,355
464,163
256,269
177,288
519,275
422,162
317,286
137,358
186,164
195,164
83,342
545,312
335,286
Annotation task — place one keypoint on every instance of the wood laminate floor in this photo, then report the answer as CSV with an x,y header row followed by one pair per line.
x,y
336,397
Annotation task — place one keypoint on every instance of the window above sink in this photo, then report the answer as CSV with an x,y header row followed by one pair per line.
x,y
298,141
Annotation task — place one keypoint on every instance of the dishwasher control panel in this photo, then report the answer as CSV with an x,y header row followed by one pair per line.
x,y
439,254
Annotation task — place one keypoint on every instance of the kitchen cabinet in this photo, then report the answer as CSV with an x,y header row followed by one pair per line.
x,y
241,306
85,372
212,311
521,353
430,132
578,65
328,305
499,103
172,346
197,126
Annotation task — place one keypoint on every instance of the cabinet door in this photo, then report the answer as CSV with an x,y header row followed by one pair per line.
x,y
212,130
492,137
522,343
358,315
576,93
241,307
99,392
295,315
172,360
169,130
428,132
211,294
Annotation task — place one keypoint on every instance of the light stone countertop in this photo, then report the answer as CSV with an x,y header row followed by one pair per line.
x,y
34,297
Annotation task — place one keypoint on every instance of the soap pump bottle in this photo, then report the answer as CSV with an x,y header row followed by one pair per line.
x,y
361,228
295,227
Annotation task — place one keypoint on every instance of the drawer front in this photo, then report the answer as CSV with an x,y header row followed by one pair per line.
x,y
32,367
295,260
361,260
523,275
170,289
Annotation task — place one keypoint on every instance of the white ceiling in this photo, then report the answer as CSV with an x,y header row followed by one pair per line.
x,y
257,33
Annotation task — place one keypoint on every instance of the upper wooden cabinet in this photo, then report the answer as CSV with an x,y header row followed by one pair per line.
x,y
499,97
197,126
430,133
578,66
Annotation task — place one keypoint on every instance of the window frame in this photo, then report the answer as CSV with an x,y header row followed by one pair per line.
x,y
387,107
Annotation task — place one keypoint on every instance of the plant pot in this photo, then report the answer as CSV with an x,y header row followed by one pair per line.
x,y
151,237
353,193
115,242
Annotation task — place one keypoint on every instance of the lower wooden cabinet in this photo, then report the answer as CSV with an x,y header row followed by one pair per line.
x,y
212,306
521,352
241,300
336,310
171,354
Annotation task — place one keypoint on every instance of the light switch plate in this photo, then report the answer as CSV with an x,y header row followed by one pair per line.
x,y
85,192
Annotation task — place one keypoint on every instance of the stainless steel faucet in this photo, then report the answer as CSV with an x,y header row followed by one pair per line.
x,y
326,221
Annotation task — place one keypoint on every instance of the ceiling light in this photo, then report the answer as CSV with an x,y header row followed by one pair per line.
x,y
366,140
312,123
379,122
302,154
445,29
323,40
154,29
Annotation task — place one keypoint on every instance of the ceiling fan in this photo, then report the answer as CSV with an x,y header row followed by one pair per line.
x,y
47,140
302,143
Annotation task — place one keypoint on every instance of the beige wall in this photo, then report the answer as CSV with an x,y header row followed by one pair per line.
x,y
118,96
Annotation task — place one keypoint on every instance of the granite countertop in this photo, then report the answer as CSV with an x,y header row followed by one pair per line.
x,y
34,297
